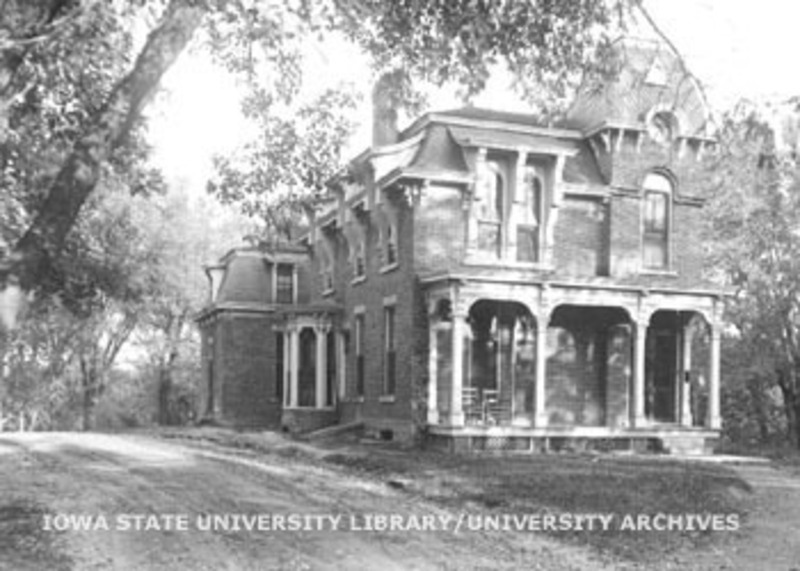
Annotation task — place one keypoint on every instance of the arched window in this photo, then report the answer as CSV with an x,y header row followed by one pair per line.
x,y
325,266
491,207
528,233
656,199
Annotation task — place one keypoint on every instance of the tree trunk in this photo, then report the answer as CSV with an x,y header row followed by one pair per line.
x,y
32,256
89,394
165,415
755,388
787,382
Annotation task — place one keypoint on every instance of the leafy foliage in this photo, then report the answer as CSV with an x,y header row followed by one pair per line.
x,y
441,41
288,165
755,245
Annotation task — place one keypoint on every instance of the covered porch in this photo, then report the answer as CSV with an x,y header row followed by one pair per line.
x,y
518,368
310,355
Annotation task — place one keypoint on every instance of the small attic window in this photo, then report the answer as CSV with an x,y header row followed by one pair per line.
x,y
663,126
657,74
284,283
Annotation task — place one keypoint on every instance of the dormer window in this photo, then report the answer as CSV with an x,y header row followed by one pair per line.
x,y
284,283
656,199
663,126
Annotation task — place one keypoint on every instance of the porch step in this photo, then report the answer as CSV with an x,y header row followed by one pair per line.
x,y
684,445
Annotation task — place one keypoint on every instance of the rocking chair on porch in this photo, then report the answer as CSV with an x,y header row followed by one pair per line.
x,y
471,405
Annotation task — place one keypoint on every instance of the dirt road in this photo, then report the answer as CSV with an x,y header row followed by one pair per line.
x,y
115,482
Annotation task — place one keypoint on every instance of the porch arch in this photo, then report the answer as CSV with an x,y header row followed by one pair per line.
x,y
589,366
500,363
682,369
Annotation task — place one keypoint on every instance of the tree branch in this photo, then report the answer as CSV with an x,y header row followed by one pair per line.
x,y
42,242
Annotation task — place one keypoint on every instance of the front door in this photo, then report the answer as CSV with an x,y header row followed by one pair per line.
x,y
307,371
660,390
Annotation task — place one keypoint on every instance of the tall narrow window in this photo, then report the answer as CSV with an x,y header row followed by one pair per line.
x,y
528,233
330,372
325,267
656,221
390,354
279,366
360,260
491,207
284,283
360,355
391,244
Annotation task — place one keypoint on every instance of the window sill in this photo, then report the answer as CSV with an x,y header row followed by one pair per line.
x,y
389,267
356,400
658,273
308,408
386,399
358,279
478,261
328,292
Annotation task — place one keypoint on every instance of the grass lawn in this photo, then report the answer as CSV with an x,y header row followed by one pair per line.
x,y
570,483
537,484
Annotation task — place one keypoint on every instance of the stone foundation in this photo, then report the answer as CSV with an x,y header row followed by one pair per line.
x,y
298,420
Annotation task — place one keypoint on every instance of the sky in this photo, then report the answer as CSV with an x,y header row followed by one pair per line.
x,y
736,48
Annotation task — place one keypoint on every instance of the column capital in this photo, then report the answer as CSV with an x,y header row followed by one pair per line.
x,y
322,328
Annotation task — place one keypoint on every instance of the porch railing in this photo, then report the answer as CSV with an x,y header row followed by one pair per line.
x,y
485,406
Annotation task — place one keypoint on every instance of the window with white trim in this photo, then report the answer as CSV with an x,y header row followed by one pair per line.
x,y
490,194
325,266
391,243
284,283
656,211
360,259
359,351
390,353
529,232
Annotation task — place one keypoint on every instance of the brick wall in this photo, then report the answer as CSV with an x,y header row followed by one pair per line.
x,y
686,249
439,230
245,370
582,237
379,285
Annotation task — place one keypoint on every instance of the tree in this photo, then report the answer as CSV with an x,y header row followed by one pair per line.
x,y
106,130
755,246
288,165
432,37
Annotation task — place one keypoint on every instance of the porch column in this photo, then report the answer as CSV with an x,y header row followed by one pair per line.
x,y
433,359
640,346
456,394
341,362
287,367
540,393
686,368
320,333
714,420
294,358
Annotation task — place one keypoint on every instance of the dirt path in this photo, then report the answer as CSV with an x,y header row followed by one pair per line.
x,y
773,528
110,477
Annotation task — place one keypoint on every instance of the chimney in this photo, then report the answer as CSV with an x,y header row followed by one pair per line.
x,y
385,97
215,275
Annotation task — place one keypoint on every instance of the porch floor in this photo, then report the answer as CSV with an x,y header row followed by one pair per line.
x,y
660,438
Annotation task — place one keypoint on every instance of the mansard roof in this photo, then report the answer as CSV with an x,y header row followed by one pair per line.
x,y
433,147
650,77
245,279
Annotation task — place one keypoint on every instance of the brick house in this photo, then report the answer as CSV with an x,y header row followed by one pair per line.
x,y
491,282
